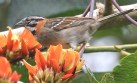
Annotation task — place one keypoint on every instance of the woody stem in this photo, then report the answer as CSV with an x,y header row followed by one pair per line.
x,y
108,7
128,17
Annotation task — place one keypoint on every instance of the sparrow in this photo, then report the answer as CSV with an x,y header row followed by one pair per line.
x,y
68,31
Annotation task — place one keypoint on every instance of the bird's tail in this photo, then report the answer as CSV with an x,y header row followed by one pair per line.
x,y
109,17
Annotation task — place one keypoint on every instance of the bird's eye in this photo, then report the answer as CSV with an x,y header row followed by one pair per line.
x,y
33,32
36,20
27,21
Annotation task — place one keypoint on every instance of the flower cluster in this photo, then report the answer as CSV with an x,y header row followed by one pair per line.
x,y
13,46
6,75
57,65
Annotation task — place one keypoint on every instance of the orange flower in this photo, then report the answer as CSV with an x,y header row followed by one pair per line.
x,y
3,41
57,65
6,75
17,45
29,39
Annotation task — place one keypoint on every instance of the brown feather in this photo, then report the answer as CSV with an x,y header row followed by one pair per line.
x,y
65,22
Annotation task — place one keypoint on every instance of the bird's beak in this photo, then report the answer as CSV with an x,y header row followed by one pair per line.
x,y
20,23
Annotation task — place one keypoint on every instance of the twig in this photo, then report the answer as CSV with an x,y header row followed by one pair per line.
x,y
122,52
92,3
110,48
86,11
81,49
128,17
117,22
91,8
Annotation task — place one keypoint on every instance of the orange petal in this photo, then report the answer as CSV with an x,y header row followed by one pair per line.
x,y
40,59
55,52
66,76
69,60
15,76
58,51
31,78
55,65
1,50
15,44
77,58
48,59
5,69
9,41
3,40
30,40
79,66
51,51
62,57
32,69
24,48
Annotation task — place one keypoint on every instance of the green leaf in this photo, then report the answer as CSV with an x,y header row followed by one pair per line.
x,y
126,72
23,71
81,78
84,78
107,78
91,75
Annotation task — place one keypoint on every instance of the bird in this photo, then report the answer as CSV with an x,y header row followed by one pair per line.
x,y
68,31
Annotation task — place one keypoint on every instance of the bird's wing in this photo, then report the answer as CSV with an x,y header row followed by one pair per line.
x,y
65,22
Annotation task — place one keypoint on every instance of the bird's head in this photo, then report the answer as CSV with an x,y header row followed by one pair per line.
x,y
32,23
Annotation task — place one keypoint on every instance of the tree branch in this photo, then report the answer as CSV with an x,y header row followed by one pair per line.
x,y
119,21
86,11
110,48
128,17
108,7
